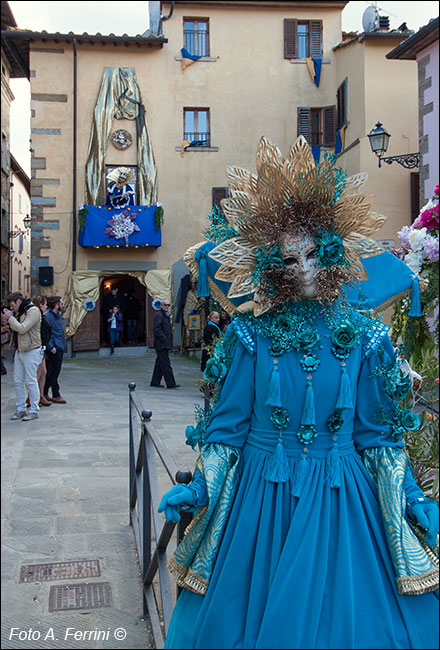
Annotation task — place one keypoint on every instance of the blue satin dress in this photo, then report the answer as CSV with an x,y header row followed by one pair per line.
x,y
312,571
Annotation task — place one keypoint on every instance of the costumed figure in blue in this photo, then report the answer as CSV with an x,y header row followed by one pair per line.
x,y
120,188
309,529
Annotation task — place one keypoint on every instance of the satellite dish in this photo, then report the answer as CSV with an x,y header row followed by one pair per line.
x,y
370,19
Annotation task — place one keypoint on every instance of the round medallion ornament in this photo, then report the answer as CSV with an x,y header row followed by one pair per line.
x,y
89,304
121,139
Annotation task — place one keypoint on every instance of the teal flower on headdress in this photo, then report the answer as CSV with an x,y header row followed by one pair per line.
x,y
330,249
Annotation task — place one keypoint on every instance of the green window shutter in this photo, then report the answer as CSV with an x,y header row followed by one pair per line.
x,y
316,39
290,38
304,123
329,126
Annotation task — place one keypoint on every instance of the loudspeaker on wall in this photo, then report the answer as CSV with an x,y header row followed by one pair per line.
x,y
45,276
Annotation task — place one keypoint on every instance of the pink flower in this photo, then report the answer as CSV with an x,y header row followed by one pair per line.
x,y
427,220
436,190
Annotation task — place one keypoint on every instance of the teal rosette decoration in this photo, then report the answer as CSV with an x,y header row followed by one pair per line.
x,y
280,418
215,370
309,363
409,421
335,422
306,339
330,249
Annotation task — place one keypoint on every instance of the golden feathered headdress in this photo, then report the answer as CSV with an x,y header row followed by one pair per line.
x,y
292,195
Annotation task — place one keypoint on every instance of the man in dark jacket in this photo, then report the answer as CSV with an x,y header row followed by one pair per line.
x,y
163,343
54,349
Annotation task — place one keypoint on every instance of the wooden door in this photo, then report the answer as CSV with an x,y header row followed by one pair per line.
x,y
87,335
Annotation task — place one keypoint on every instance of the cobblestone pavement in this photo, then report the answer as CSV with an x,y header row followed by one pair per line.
x,y
65,499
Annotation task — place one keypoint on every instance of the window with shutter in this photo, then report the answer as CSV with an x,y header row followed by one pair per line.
x,y
302,38
317,125
304,123
329,126
341,103
290,39
315,30
219,193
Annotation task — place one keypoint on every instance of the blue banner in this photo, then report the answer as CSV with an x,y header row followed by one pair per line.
x,y
103,226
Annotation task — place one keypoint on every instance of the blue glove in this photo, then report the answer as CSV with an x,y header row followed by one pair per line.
x,y
174,500
425,512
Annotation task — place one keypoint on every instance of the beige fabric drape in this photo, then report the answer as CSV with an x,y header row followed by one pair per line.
x,y
119,97
85,285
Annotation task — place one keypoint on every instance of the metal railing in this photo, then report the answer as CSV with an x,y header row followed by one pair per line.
x,y
198,138
152,533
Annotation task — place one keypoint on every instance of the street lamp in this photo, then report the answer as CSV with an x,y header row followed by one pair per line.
x,y
27,221
379,139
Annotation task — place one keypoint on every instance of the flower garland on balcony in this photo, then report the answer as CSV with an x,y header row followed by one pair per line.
x,y
122,225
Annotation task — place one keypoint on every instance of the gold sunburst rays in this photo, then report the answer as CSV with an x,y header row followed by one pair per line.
x,y
241,179
350,211
236,252
355,183
299,161
273,187
318,184
362,246
268,154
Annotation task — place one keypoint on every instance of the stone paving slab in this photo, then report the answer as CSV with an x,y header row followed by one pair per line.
x,y
65,496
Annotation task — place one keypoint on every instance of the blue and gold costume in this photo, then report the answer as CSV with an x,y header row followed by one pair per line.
x,y
303,495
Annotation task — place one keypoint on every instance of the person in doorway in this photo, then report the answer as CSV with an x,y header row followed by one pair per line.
x,y
114,327
55,349
307,513
109,301
24,319
211,331
163,343
131,314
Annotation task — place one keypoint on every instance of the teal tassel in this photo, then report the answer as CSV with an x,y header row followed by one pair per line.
x,y
332,473
415,307
202,282
301,471
277,467
344,398
274,392
308,416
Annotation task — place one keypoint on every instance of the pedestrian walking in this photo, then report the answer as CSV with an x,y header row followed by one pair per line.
x,y
24,319
55,349
163,343
114,327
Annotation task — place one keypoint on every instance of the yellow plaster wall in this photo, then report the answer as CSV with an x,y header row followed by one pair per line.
x,y
380,90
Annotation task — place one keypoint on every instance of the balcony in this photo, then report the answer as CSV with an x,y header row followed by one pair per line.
x,y
136,226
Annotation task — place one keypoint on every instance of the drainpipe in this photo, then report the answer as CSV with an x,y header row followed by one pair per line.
x,y
163,18
74,179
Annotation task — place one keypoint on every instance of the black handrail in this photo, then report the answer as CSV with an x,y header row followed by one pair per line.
x,y
148,525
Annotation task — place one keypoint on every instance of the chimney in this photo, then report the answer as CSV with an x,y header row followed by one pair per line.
x,y
154,13
384,23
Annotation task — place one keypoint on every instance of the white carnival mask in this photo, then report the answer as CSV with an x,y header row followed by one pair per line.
x,y
300,258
